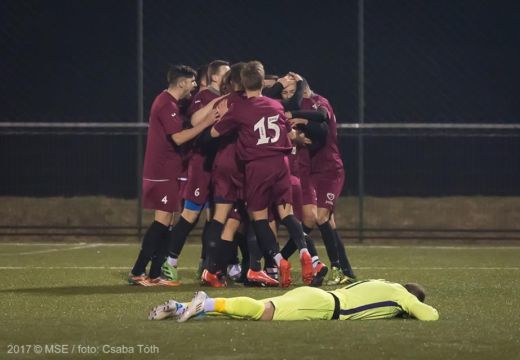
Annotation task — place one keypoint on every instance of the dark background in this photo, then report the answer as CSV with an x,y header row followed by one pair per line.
x,y
425,61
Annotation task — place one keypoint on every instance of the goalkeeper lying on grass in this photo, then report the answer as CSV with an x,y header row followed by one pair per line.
x,y
368,299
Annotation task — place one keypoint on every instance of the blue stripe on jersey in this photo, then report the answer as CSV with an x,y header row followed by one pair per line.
x,y
368,307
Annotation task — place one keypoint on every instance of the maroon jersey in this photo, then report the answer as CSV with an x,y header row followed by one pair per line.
x,y
228,176
293,162
262,128
226,153
328,158
201,99
163,159
197,186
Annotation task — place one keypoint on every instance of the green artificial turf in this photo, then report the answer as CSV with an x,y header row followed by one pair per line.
x,y
75,294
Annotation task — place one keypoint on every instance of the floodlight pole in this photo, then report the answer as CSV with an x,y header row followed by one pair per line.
x,y
361,116
140,117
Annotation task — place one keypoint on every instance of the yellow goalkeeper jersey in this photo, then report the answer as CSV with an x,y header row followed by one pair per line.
x,y
379,299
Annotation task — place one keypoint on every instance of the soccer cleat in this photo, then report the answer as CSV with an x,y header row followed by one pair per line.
x,y
319,276
170,309
160,281
234,271
285,273
212,279
138,279
195,307
169,272
260,277
338,278
307,270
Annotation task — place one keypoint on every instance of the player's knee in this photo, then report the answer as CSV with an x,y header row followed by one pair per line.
x,y
323,216
190,212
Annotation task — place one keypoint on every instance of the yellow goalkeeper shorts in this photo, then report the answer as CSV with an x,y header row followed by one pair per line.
x,y
303,303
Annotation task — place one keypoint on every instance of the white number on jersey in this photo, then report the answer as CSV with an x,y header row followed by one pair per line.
x,y
164,199
271,124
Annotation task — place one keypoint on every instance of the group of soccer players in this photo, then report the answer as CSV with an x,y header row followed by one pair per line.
x,y
252,152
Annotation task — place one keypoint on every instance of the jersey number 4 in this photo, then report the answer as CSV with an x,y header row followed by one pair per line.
x,y
260,126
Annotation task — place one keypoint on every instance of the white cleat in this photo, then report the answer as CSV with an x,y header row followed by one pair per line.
x,y
195,307
170,309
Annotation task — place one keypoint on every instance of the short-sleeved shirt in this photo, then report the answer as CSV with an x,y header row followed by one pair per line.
x,y
163,158
328,158
261,125
201,99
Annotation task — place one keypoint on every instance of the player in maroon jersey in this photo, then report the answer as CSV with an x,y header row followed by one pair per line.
x,y
322,185
262,145
289,90
162,167
229,224
227,182
196,189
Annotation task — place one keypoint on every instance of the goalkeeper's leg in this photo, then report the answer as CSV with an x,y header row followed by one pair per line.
x,y
240,307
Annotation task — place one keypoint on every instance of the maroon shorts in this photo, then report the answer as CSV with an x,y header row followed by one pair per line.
x,y
297,197
227,179
196,189
161,195
238,212
328,188
308,191
267,182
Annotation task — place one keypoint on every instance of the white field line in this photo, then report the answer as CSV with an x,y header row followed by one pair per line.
x,y
506,268
360,246
37,252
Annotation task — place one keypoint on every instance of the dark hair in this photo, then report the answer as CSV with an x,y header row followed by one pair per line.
x,y
202,74
225,85
271,77
176,72
213,68
232,80
416,290
253,75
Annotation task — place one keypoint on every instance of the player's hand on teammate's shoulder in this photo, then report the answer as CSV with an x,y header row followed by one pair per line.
x,y
222,108
213,117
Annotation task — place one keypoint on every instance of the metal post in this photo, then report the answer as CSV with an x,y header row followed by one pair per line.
x,y
140,117
361,115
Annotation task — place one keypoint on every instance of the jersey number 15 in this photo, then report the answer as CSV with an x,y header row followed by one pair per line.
x,y
272,125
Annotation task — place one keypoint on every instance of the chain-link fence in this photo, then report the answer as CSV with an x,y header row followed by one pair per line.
x,y
378,62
